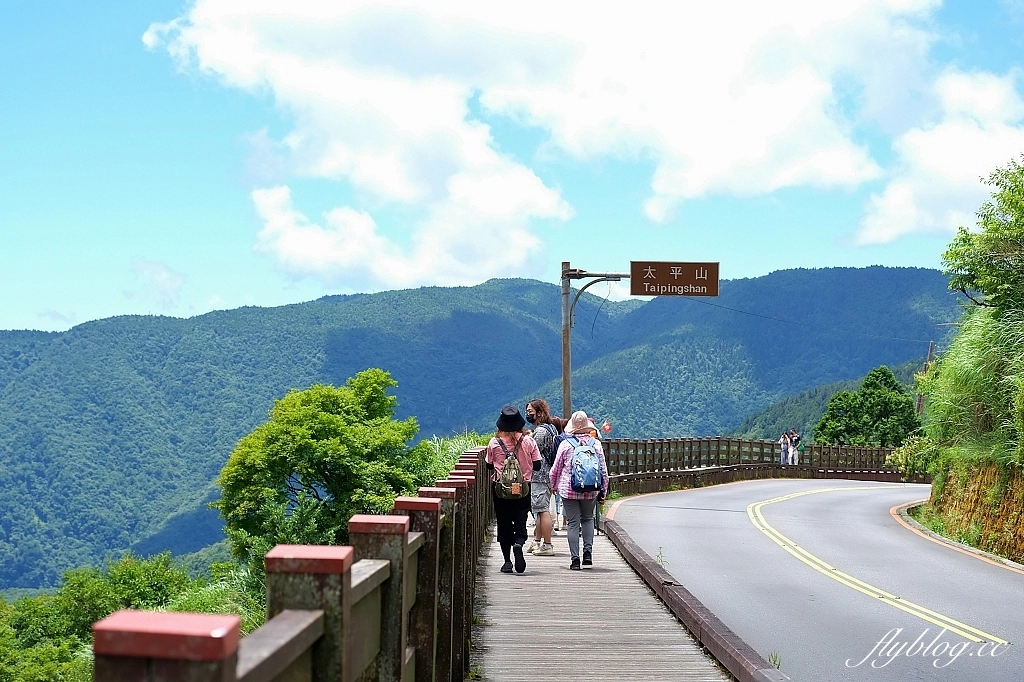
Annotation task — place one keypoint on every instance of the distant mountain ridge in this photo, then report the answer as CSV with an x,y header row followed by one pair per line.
x,y
113,427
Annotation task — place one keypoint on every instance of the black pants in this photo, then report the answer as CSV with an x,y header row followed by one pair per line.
x,y
511,516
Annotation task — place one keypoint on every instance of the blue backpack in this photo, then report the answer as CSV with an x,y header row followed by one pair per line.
x,y
585,466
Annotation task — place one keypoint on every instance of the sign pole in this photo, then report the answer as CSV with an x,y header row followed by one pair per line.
x,y
566,345
648,278
568,274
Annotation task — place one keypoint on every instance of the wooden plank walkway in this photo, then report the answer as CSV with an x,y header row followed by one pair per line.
x,y
601,623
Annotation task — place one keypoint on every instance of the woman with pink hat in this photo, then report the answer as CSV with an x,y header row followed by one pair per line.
x,y
580,475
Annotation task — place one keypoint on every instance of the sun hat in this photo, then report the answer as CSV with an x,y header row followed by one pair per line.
x,y
510,420
579,423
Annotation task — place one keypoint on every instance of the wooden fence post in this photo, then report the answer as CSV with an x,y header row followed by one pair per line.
x,y
385,537
140,646
315,578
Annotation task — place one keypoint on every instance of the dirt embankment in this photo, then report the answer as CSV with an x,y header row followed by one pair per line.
x,y
982,504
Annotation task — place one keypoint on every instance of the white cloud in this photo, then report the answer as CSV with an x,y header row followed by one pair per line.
x,y
481,230
58,320
157,284
936,184
737,98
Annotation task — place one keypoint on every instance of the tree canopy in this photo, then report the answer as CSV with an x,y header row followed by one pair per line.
x,y
879,413
325,454
987,264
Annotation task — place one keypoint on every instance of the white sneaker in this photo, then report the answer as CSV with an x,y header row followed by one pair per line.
x,y
531,546
545,550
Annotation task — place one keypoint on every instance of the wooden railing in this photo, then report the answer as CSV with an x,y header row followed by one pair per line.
x,y
653,465
396,605
631,456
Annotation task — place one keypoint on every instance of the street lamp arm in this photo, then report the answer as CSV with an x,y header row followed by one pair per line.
x,y
570,273
610,277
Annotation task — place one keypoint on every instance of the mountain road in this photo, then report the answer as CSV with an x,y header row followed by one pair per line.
x,y
821,574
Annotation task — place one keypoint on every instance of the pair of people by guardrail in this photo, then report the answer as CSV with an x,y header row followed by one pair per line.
x,y
792,447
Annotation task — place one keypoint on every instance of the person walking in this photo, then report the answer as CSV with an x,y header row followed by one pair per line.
x,y
512,458
784,442
544,433
559,519
580,475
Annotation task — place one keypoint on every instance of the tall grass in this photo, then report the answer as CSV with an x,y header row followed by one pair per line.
x,y
445,452
976,391
237,591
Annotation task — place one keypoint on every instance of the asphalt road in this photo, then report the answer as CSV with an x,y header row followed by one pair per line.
x,y
788,601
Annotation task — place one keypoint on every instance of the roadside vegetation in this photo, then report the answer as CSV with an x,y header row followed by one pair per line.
x,y
325,453
974,409
973,420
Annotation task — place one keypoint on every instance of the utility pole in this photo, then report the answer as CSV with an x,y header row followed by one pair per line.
x,y
927,363
568,274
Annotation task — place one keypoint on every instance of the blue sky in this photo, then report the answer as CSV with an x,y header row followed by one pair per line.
x,y
170,158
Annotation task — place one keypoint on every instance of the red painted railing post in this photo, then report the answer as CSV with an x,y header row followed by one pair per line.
x,y
425,516
385,537
140,646
445,578
460,628
315,577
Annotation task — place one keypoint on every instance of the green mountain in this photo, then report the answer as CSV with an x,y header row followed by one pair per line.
x,y
111,433
804,410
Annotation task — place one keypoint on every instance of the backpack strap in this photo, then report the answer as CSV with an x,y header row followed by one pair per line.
x,y
505,449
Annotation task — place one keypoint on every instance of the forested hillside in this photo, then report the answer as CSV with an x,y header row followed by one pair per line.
x,y
803,410
114,427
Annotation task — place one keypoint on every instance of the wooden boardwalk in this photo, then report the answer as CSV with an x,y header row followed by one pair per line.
x,y
601,624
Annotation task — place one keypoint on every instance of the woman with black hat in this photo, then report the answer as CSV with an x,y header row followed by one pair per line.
x,y
510,486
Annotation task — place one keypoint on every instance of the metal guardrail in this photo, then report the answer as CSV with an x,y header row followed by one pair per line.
x,y
396,605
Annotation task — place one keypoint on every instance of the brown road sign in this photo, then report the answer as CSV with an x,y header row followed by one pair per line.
x,y
654,278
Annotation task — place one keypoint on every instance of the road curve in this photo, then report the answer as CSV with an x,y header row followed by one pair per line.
x,y
832,583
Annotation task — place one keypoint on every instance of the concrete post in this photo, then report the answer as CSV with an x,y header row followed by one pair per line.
x,y
445,578
140,646
315,577
461,580
385,537
425,516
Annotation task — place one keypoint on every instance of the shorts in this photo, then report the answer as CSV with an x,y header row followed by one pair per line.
x,y
540,497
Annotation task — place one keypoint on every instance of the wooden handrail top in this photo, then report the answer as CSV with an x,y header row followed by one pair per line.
x,y
367,574
414,542
268,651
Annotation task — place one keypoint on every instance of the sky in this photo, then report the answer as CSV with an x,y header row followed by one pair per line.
x,y
175,158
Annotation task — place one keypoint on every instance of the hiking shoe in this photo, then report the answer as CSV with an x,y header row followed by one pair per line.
x,y
520,559
588,558
544,549
506,567
575,565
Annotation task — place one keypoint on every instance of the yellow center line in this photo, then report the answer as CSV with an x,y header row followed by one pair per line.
x,y
757,518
